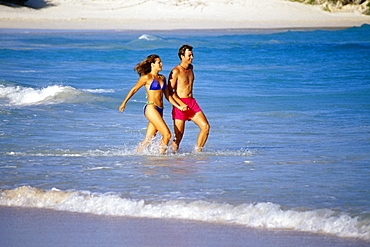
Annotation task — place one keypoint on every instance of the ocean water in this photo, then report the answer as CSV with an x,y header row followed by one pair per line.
x,y
289,146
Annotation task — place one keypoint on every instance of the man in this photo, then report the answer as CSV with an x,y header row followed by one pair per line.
x,y
180,85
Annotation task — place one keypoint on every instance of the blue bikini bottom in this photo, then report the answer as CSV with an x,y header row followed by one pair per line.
x,y
159,109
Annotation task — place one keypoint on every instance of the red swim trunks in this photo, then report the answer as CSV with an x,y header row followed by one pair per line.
x,y
186,115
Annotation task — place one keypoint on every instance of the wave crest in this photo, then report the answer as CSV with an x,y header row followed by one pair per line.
x,y
149,37
23,96
261,215
16,95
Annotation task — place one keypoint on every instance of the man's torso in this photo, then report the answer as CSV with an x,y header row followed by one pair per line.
x,y
185,82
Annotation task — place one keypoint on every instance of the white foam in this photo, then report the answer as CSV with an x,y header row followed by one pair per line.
x,y
261,215
98,90
149,37
152,150
99,168
23,96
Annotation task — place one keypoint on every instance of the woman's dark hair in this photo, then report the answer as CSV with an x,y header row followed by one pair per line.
x,y
183,49
145,66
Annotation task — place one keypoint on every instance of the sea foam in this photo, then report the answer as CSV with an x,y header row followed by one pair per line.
x,y
22,96
149,37
259,215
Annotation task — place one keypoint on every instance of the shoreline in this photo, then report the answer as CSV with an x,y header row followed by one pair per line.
x,y
47,227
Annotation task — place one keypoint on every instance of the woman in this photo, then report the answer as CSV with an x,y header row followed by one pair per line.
x,y
155,85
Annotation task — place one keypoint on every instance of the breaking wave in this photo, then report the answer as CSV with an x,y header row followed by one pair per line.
x,y
16,95
149,37
22,96
259,215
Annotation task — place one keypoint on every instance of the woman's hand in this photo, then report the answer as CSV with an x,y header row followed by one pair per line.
x,y
183,108
122,107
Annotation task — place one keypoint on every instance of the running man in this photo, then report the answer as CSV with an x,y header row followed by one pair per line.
x,y
180,85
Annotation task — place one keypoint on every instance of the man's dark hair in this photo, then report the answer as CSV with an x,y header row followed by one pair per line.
x,y
183,49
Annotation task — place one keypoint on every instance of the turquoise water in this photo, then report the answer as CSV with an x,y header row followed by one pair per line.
x,y
289,110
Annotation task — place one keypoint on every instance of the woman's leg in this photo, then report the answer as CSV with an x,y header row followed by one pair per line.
x,y
157,123
151,131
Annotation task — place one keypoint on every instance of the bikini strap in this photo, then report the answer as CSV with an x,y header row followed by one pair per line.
x,y
152,103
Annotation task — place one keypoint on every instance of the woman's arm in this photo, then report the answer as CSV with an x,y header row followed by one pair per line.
x,y
141,82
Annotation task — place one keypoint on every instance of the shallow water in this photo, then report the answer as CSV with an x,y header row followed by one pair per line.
x,y
289,114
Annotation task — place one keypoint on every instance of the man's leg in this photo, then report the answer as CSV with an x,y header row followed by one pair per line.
x,y
179,128
201,120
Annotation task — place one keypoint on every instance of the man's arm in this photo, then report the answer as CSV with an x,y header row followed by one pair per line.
x,y
172,87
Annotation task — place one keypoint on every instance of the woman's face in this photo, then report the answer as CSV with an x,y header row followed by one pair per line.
x,y
157,65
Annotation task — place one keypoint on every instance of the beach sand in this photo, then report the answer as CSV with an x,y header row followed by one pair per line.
x,y
169,15
44,227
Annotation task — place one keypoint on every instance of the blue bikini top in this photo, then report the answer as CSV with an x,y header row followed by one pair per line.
x,y
156,85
